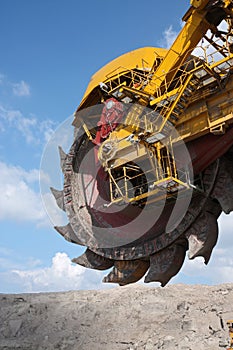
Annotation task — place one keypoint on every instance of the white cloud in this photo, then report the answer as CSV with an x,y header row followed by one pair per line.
x,y
33,130
21,88
60,276
17,88
19,201
219,270
46,127
169,37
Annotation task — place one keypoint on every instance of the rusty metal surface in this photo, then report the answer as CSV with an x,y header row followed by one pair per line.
x,y
161,254
125,272
167,263
74,193
91,260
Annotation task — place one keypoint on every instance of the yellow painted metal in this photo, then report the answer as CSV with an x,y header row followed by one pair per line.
x,y
143,94
128,154
170,99
142,58
160,186
220,62
207,114
196,121
174,103
199,3
132,118
190,35
164,96
86,129
227,3
161,169
113,181
190,93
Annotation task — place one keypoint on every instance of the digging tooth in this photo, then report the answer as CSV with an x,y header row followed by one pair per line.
x,y
68,233
166,263
92,260
63,156
114,276
202,236
125,272
59,196
223,186
213,207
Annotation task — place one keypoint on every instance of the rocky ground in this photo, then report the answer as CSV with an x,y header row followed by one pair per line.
x,y
125,318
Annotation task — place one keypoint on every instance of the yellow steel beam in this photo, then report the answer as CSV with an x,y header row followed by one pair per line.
x,y
207,114
183,87
164,96
188,38
220,62
198,3
141,58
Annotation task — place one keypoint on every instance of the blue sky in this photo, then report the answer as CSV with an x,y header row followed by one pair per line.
x,y
49,50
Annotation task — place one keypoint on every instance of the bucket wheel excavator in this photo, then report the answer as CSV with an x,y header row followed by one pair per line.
x,y
151,165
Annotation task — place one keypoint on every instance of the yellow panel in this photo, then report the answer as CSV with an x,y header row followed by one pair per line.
x,y
140,58
198,3
194,29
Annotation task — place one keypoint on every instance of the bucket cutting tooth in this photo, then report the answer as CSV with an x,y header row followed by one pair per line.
x,y
166,263
223,186
59,196
92,260
68,233
125,272
63,157
202,236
